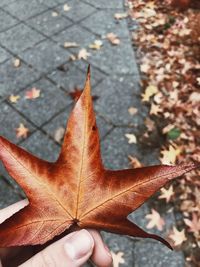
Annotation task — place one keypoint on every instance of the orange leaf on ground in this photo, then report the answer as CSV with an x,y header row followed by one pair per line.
x,y
22,131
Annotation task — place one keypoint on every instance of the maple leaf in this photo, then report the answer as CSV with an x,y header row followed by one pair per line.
x,y
149,91
132,139
22,131
66,7
83,54
194,224
96,45
117,258
33,93
177,236
113,38
76,191
135,162
70,44
167,193
14,98
169,156
119,16
155,220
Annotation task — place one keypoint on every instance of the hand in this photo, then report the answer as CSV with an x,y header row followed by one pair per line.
x,y
72,250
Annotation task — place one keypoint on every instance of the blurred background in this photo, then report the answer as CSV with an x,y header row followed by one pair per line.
x,y
145,73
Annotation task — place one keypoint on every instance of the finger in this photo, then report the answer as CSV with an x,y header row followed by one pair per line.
x,y
101,255
0,264
12,209
73,250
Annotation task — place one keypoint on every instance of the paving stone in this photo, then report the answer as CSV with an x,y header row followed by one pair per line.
x,y
115,59
3,55
49,3
40,110
19,38
155,254
9,121
120,243
13,79
72,77
78,11
7,196
41,146
95,25
6,21
5,2
48,24
115,98
61,121
75,34
23,9
45,56
105,3
115,149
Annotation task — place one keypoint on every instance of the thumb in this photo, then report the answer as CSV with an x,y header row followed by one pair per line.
x,y
73,250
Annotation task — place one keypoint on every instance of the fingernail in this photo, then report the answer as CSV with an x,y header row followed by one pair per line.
x,y
78,245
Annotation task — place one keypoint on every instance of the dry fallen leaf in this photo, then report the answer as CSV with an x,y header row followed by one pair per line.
x,y
135,163
66,7
14,98
33,93
113,38
54,14
194,224
155,220
166,193
96,45
169,155
59,134
76,191
178,237
70,44
17,63
117,258
132,110
83,54
120,16
22,131
149,91
132,139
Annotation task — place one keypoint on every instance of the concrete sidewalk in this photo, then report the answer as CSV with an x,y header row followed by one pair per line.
x,y
35,31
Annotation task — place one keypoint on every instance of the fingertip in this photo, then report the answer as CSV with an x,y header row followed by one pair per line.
x,y
101,254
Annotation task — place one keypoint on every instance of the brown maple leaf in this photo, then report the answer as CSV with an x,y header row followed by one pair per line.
x,y
77,191
22,131
178,237
33,93
155,220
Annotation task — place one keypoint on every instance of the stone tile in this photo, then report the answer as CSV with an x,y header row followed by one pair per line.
x,y
61,121
7,196
13,79
41,146
6,21
115,149
45,56
3,55
51,101
47,24
115,59
114,100
78,11
19,38
75,34
156,254
5,2
72,77
95,23
23,9
120,243
9,121
103,4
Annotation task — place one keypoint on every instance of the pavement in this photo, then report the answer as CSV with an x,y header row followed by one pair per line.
x,y
35,31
